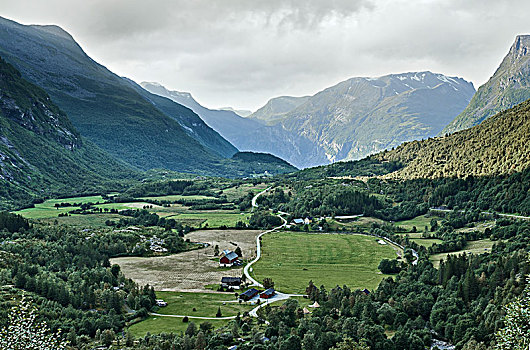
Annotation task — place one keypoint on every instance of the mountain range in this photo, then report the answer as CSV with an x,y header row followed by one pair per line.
x,y
509,86
144,130
248,134
361,116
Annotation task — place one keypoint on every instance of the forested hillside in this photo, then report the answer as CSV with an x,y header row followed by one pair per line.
x,y
497,146
41,153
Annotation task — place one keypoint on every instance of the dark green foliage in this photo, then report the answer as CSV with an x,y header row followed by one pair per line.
x,y
389,266
42,154
12,222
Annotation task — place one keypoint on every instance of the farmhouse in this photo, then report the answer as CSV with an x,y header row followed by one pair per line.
x,y
268,293
231,282
249,294
228,259
298,221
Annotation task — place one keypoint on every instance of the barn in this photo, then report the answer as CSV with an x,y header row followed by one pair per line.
x,y
228,259
231,282
268,293
249,294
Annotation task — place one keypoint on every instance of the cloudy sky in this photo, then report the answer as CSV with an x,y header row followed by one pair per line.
x,y
240,53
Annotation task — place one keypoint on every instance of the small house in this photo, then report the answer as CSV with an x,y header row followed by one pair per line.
x,y
228,259
249,294
268,293
366,291
231,282
298,221
314,305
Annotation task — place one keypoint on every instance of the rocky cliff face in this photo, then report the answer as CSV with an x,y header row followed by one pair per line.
x,y
509,86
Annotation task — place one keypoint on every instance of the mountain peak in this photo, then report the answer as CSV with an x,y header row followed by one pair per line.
x,y
521,46
509,86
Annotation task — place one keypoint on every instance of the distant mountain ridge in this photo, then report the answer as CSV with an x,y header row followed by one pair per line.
x,y
247,134
362,116
276,108
509,86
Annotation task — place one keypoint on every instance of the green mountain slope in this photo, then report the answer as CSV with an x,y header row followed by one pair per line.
x,y
102,106
41,153
248,134
362,116
510,85
276,108
500,145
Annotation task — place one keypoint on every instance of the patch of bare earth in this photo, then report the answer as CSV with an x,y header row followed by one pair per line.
x,y
191,271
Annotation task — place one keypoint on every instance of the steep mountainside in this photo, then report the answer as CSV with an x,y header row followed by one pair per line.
x,y
247,134
276,108
41,153
499,145
361,116
105,108
509,86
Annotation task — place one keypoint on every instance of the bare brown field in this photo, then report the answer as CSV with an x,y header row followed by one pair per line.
x,y
190,271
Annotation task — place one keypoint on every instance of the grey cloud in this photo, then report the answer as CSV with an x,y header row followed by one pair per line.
x,y
242,52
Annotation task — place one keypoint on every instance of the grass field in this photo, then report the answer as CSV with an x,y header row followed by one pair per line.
x,y
176,197
206,305
213,218
473,247
160,324
48,210
426,242
420,222
237,192
362,223
293,259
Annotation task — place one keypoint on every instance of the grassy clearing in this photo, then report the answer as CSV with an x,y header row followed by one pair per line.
x,y
160,324
420,222
293,259
47,209
213,219
426,242
92,220
206,304
473,247
177,197
361,223
237,192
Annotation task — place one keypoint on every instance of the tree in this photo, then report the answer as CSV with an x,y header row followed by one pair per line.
x,y
216,250
238,252
268,283
23,331
107,337
219,313
349,344
516,333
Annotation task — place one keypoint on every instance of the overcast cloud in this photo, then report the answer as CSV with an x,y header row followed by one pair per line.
x,y
240,53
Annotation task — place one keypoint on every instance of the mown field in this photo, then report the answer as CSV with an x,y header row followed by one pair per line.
x,y
205,305
47,209
293,259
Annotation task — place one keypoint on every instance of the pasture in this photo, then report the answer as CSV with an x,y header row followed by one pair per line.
x,y
192,270
161,324
473,247
293,259
47,209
